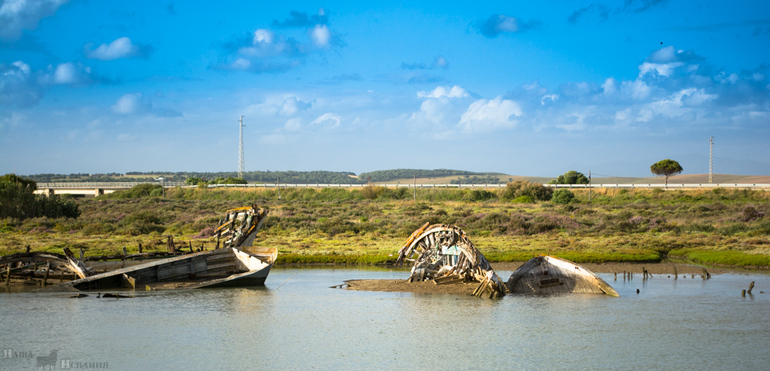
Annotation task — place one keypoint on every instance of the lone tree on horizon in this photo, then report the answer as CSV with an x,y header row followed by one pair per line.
x,y
666,168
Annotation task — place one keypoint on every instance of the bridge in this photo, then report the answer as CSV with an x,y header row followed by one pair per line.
x,y
93,189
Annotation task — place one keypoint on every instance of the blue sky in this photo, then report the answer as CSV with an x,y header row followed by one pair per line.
x,y
523,88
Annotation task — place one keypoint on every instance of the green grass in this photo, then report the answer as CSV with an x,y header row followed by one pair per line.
x,y
727,258
342,226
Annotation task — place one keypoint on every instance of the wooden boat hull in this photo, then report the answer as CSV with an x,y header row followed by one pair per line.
x,y
226,267
545,275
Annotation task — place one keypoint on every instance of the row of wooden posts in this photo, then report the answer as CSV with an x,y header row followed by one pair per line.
x,y
647,275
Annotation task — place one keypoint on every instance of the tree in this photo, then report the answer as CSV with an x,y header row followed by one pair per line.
x,y
570,177
666,168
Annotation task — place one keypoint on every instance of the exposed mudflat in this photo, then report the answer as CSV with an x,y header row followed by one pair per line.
x,y
425,287
428,287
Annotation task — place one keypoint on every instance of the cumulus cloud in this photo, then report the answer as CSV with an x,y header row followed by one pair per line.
x,y
320,35
497,24
138,104
444,91
19,15
18,86
120,48
131,104
265,51
291,106
486,115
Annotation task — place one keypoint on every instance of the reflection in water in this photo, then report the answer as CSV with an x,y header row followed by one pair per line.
x,y
298,322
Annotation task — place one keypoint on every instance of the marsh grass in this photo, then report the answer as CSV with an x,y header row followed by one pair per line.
x,y
351,226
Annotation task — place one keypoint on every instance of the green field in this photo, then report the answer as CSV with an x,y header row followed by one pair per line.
x,y
367,226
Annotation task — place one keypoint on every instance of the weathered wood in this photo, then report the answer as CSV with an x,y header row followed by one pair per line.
x,y
550,275
751,287
47,272
441,250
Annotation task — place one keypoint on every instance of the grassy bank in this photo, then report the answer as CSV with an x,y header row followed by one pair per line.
x,y
367,226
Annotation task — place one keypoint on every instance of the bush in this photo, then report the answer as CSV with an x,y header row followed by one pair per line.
x,y
519,188
562,197
570,177
18,200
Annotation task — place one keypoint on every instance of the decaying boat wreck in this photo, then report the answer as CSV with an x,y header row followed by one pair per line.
x,y
236,263
38,266
550,275
444,254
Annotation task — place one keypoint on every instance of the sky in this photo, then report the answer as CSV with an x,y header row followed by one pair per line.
x,y
517,87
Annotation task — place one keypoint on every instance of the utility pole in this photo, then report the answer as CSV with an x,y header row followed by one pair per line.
x,y
240,150
711,158
589,186
415,187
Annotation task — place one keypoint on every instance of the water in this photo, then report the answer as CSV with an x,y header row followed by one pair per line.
x,y
298,322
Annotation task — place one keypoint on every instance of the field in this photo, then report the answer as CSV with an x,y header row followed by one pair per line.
x,y
726,227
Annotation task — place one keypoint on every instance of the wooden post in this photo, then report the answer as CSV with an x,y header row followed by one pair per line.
x,y
676,275
743,293
8,274
47,272
140,247
125,251
82,253
751,287
191,248
28,248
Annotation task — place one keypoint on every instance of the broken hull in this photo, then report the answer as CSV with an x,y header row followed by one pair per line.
x,y
226,267
545,275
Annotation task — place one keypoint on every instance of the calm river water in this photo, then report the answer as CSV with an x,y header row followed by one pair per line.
x,y
298,322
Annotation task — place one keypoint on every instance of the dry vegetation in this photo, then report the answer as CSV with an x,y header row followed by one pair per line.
x,y
367,226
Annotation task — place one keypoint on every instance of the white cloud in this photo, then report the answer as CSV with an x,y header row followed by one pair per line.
x,y
130,104
486,115
18,86
432,110
609,87
293,124
291,106
263,36
551,97
120,48
71,73
19,15
444,91
320,35
328,120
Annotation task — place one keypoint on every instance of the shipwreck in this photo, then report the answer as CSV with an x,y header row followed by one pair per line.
x,y
235,263
444,254
543,275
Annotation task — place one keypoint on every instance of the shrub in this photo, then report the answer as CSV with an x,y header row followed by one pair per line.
x,y
536,191
750,213
562,196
